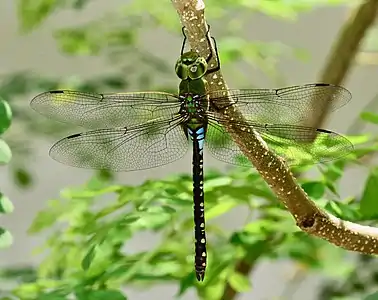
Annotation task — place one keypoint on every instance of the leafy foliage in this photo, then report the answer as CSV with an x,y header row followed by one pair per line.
x,y
6,206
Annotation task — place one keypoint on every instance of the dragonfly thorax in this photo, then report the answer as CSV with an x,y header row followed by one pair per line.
x,y
191,66
194,106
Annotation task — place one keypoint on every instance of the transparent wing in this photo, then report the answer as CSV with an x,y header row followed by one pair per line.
x,y
92,110
120,149
289,105
293,143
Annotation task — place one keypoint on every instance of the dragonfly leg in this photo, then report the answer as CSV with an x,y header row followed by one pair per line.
x,y
184,41
210,56
217,67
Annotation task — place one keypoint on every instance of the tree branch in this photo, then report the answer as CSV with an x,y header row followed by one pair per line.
x,y
272,168
343,53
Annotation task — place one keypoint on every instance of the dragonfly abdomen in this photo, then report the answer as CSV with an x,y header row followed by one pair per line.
x,y
198,136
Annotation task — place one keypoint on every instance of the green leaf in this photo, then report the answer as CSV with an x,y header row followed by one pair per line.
x,y
5,116
332,188
52,296
22,274
79,4
129,219
168,209
185,283
220,208
373,296
87,260
368,201
152,218
342,210
6,238
33,12
358,139
369,117
6,205
82,41
28,291
259,227
22,178
44,219
350,209
332,172
101,295
315,189
239,282
245,239
217,182
84,193
5,153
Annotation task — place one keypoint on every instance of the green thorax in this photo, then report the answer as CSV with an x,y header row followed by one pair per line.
x,y
194,87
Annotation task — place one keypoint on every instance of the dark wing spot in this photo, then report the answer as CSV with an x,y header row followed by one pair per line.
x,y
324,130
56,92
73,136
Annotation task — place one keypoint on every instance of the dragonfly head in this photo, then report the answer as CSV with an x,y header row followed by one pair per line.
x,y
191,66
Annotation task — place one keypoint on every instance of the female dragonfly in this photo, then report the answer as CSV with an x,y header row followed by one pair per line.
x,y
141,130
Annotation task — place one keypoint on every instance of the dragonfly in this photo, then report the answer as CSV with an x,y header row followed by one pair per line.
x,y
141,130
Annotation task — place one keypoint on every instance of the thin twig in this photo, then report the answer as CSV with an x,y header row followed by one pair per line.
x,y
343,53
308,216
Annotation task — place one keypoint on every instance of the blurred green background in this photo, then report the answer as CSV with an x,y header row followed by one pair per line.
x,y
85,235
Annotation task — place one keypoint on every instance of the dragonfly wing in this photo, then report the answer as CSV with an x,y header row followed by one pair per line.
x,y
92,110
221,146
123,149
295,144
290,105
